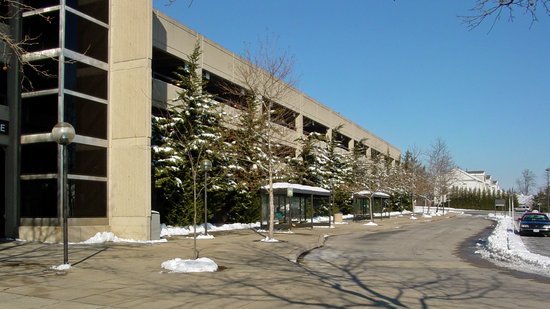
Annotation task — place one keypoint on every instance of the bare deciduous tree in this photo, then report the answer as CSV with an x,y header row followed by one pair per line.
x,y
413,174
268,76
497,9
13,44
379,179
440,166
526,182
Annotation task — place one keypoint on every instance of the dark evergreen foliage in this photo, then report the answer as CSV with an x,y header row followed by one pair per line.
x,y
476,199
188,132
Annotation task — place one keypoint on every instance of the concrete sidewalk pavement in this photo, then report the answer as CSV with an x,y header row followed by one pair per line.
x,y
114,275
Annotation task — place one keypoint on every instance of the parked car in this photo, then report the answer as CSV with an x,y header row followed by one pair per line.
x,y
522,208
534,223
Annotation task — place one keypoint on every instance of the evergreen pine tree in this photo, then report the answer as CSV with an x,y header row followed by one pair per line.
x,y
188,132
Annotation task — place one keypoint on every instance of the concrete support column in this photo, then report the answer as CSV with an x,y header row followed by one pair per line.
x,y
130,103
13,151
299,123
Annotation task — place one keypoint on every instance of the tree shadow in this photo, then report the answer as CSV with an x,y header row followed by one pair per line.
x,y
256,274
32,258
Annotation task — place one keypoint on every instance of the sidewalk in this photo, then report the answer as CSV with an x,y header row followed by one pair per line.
x,y
252,273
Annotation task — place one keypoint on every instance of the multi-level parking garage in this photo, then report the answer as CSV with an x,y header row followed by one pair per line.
x,y
109,74
173,42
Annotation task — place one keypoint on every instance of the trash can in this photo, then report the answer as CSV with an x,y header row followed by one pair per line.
x,y
338,217
155,225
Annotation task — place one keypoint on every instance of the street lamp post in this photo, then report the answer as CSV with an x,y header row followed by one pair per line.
x,y
331,201
63,134
206,166
548,188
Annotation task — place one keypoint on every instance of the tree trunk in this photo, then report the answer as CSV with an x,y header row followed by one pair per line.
x,y
195,251
371,212
270,176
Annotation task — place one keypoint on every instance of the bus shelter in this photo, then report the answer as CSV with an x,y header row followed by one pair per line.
x,y
361,204
295,205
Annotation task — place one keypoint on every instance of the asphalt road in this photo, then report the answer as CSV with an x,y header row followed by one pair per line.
x,y
423,266
535,244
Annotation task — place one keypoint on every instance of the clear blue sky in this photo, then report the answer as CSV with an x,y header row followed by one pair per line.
x,y
408,71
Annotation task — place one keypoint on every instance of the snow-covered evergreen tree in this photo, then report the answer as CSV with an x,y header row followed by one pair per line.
x,y
355,178
324,163
188,132
310,164
249,158
331,165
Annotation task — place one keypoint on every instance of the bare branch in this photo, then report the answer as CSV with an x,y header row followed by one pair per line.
x,y
266,75
18,47
170,2
484,9
269,71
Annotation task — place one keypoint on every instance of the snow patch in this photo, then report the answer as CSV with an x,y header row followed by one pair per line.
x,y
61,267
505,248
178,265
188,230
103,237
269,240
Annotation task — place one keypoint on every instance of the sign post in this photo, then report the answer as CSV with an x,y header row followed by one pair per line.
x,y
499,203
289,195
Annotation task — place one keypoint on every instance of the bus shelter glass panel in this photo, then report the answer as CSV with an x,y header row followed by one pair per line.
x,y
379,204
298,210
361,208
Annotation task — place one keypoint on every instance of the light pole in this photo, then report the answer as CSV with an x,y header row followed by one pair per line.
x,y
206,166
63,134
331,201
548,188
289,194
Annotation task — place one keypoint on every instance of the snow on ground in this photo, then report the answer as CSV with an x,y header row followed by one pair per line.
x,y
267,239
61,267
503,247
178,265
207,236
103,237
188,230
525,200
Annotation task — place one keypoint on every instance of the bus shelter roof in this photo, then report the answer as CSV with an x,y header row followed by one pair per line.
x,y
282,187
367,193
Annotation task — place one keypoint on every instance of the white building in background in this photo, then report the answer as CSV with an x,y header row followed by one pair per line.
x,y
474,180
